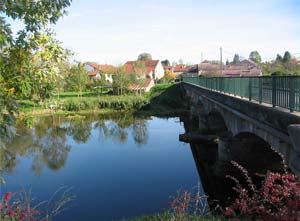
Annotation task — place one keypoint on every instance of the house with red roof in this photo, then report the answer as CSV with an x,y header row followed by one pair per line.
x,y
180,69
152,69
94,71
149,70
245,68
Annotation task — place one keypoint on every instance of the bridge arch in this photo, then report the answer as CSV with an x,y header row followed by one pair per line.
x,y
252,151
216,121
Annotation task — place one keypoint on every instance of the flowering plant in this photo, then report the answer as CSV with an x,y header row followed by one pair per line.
x,y
278,199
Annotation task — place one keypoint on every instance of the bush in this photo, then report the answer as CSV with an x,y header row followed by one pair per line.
x,y
107,102
18,206
278,199
122,102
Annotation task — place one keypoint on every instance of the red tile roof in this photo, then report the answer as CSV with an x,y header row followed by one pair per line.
x,y
136,87
102,67
250,61
180,68
107,68
167,67
242,72
149,65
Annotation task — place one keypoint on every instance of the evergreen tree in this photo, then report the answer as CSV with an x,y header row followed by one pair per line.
x,y
287,57
278,58
236,59
227,62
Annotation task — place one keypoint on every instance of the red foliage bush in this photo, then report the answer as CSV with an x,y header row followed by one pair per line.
x,y
278,199
16,210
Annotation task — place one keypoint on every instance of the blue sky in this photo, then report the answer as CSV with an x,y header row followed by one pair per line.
x,y
116,31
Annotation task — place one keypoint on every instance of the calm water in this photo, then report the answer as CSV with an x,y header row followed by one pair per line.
x,y
120,168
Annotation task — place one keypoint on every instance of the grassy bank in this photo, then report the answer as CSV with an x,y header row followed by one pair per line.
x,y
172,217
162,100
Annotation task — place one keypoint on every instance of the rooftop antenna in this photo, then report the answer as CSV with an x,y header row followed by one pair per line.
x,y
221,62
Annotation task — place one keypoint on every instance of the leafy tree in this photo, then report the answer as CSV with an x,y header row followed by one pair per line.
x,y
78,79
139,69
287,57
144,57
28,58
236,59
255,56
166,62
120,81
170,74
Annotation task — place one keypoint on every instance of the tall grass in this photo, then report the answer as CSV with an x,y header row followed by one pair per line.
x,y
125,102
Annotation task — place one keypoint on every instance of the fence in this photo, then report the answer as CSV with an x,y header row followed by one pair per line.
x,y
281,91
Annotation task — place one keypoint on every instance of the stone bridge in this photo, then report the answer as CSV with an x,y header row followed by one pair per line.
x,y
245,125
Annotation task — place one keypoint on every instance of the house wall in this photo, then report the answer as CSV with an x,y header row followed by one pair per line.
x,y
96,77
151,84
108,77
159,71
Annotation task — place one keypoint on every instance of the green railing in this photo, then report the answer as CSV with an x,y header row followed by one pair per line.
x,y
280,91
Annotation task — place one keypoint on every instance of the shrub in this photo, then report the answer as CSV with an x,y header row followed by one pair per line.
x,y
278,199
18,206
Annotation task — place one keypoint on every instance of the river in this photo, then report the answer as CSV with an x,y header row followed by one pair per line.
x,y
116,167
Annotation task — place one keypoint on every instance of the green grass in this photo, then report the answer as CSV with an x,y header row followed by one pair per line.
x,y
157,90
162,99
175,217
75,94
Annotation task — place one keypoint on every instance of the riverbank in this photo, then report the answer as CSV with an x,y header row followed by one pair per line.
x,y
162,100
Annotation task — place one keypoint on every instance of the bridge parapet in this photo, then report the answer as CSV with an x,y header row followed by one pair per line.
x,y
278,91
279,128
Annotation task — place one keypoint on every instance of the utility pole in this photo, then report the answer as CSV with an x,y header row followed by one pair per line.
x,y
201,56
221,62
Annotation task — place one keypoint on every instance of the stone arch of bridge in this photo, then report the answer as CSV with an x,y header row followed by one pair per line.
x,y
251,151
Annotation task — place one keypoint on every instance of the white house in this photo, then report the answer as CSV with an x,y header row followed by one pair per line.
x,y
153,69
94,71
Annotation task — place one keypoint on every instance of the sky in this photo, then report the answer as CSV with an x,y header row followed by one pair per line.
x,y
115,31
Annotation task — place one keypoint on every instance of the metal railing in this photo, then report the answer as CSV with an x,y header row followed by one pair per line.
x,y
281,91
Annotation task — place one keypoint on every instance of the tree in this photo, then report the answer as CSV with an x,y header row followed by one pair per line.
x,y
169,75
144,57
236,59
287,57
28,59
255,56
165,62
278,58
227,62
78,79
139,68
120,81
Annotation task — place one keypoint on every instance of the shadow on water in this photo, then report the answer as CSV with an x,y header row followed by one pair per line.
x,y
251,152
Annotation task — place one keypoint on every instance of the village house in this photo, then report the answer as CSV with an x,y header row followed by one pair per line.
x,y
153,70
168,68
95,70
179,69
245,68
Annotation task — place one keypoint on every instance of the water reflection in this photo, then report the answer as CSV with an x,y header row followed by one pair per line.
x,y
46,138
112,164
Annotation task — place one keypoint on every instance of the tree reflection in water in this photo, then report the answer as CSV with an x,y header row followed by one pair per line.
x,y
47,139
